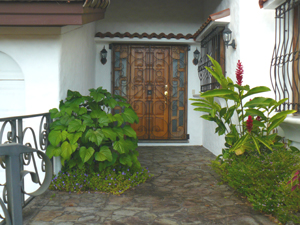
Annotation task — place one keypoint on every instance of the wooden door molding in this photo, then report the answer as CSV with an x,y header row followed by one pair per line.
x,y
154,81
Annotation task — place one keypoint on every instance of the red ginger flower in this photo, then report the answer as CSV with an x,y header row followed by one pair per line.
x,y
296,177
249,124
239,73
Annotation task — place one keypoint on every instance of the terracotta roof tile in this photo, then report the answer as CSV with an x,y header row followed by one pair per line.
x,y
144,35
205,24
212,17
261,3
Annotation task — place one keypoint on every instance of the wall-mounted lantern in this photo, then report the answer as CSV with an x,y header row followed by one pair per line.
x,y
227,37
103,56
196,57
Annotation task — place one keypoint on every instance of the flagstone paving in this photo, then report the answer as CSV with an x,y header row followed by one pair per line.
x,y
184,190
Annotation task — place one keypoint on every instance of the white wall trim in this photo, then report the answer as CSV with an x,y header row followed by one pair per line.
x,y
273,4
290,129
292,120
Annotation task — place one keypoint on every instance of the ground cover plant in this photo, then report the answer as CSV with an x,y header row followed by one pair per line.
x,y
93,137
114,180
263,179
255,161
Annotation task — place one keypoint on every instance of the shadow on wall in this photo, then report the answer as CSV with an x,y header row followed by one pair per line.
x,y
12,87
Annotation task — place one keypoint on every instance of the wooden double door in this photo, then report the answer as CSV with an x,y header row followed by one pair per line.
x,y
154,81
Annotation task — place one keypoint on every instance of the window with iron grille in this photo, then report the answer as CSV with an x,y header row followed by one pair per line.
x,y
212,45
285,65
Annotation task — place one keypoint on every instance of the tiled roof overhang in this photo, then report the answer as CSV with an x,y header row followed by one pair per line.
x,y
261,3
50,12
211,18
144,35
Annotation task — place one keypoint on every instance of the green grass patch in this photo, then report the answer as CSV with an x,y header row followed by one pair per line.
x,y
115,180
263,180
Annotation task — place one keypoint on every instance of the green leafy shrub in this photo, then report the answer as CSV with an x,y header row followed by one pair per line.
x,y
254,133
263,179
86,135
114,180
255,160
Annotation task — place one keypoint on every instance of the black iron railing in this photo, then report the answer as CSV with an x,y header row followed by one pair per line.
x,y
285,67
28,136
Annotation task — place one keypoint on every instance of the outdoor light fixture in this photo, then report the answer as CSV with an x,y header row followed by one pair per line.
x,y
103,56
227,37
196,57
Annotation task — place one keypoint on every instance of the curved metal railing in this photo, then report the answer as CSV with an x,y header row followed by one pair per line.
x,y
26,136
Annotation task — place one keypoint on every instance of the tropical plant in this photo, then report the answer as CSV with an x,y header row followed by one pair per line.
x,y
254,133
86,132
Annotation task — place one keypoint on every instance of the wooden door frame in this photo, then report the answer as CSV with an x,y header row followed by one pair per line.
x,y
171,77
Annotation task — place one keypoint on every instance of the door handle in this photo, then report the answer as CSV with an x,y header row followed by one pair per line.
x,y
166,95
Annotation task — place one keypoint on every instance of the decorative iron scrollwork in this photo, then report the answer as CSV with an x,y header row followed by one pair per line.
x,y
11,135
6,214
13,127
153,80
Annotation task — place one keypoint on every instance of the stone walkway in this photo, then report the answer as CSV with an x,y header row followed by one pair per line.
x,y
183,191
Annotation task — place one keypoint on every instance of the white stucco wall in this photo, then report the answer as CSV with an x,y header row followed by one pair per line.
x,y
257,39
254,36
103,72
52,60
38,58
77,59
12,86
36,55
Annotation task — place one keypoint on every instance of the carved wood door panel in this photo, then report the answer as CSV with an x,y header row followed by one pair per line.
x,y
153,79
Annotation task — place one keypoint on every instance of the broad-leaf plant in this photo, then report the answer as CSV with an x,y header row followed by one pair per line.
x,y
93,131
246,123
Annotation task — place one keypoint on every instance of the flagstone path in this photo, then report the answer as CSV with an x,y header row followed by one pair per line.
x,y
184,190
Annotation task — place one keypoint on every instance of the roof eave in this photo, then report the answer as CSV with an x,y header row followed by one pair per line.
x,y
48,13
216,19
270,4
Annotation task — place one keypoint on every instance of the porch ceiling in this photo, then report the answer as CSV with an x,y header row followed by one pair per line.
x,y
190,12
158,10
185,16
